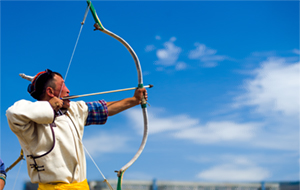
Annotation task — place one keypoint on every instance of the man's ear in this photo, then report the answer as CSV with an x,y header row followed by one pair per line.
x,y
50,91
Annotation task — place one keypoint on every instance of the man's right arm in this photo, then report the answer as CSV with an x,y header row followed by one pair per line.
x,y
119,106
23,112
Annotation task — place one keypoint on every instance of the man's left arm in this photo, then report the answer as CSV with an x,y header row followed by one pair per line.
x,y
116,107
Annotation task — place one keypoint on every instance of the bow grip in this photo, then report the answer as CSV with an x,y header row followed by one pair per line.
x,y
144,102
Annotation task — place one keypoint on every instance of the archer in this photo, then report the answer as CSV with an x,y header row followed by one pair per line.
x,y
50,130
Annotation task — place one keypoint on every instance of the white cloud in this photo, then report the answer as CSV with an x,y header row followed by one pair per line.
x,y
216,132
296,51
169,55
184,127
157,37
213,58
234,168
282,136
210,64
206,55
250,159
105,143
247,134
173,39
274,88
160,69
180,66
150,48
201,51
160,124
235,172
273,92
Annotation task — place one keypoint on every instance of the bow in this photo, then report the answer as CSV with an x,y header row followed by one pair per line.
x,y
21,157
99,26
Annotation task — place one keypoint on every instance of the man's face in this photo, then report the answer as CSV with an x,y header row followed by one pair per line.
x,y
61,90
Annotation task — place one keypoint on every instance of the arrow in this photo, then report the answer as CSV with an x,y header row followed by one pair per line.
x,y
106,92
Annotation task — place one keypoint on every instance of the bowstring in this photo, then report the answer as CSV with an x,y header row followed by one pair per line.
x,y
82,23
80,140
17,175
70,62
105,180
93,161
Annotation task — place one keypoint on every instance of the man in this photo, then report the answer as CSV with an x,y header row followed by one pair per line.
x,y
50,130
2,175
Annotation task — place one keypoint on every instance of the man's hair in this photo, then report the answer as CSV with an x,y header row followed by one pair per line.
x,y
41,81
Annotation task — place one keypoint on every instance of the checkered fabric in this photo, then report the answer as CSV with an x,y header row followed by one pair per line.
x,y
98,113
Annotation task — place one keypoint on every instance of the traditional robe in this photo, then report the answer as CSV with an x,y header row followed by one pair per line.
x,y
32,123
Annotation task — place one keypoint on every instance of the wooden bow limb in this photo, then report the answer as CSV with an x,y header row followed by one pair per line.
x,y
21,157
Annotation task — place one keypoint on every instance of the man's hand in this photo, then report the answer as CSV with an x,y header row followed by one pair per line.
x,y
139,94
56,103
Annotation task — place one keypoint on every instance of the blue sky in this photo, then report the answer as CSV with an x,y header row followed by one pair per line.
x,y
225,102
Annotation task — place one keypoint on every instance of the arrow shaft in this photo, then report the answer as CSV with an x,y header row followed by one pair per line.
x,y
105,92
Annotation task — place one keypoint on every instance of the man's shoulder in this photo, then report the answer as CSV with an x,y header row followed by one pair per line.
x,y
23,101
19,103
78,105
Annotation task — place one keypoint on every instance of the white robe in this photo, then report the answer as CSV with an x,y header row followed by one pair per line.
x,y
30,121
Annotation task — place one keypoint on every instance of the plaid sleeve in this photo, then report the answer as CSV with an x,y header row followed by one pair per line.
x,y
98,113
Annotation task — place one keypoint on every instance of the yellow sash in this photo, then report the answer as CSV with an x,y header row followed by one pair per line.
x,y
64,186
